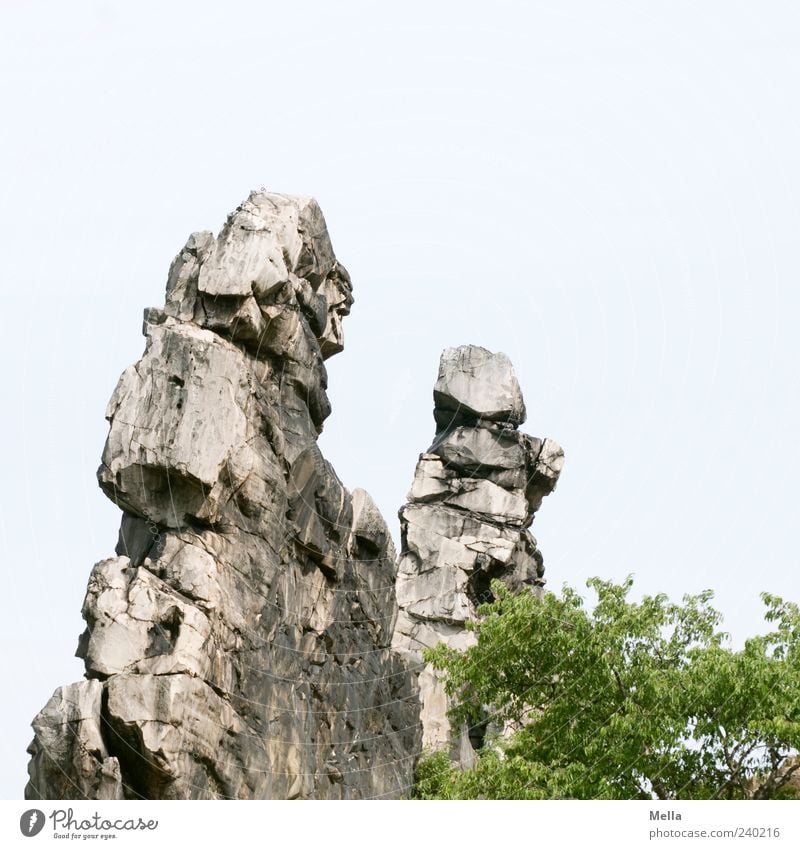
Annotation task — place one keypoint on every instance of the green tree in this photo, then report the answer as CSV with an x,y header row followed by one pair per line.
x,y
635,700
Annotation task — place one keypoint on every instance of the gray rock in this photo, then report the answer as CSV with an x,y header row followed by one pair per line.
x,y
480,449
239,644
434,481
255,635
474,383
473,497
69,756
543,473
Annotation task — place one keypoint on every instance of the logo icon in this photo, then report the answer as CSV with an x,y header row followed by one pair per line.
x,y
31,822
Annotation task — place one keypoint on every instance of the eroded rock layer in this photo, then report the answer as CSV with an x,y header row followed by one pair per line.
x,y
474,495
238,644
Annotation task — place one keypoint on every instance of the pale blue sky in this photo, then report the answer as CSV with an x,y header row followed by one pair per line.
x,y
605,191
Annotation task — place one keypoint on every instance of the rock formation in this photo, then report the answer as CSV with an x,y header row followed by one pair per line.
x,y
473,497
238,644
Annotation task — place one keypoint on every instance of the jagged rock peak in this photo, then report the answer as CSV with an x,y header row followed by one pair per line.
x,y
238,644
273,251
474,495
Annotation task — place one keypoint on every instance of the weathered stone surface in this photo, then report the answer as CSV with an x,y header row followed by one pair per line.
x,y
239,644
472,499
474,383
255,635
69,757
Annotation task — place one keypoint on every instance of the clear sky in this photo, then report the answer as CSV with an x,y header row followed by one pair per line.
x,y
606,191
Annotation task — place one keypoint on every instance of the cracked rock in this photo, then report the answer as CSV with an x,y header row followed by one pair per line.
x,y
474,495
239,644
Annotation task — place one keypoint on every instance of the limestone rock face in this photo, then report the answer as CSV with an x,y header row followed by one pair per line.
x,y
466,522
239,643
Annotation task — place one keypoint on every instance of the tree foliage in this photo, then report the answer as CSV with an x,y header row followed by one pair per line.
x,y
633,700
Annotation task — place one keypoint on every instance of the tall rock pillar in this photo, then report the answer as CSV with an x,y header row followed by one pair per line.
x,y
238,644
474,495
